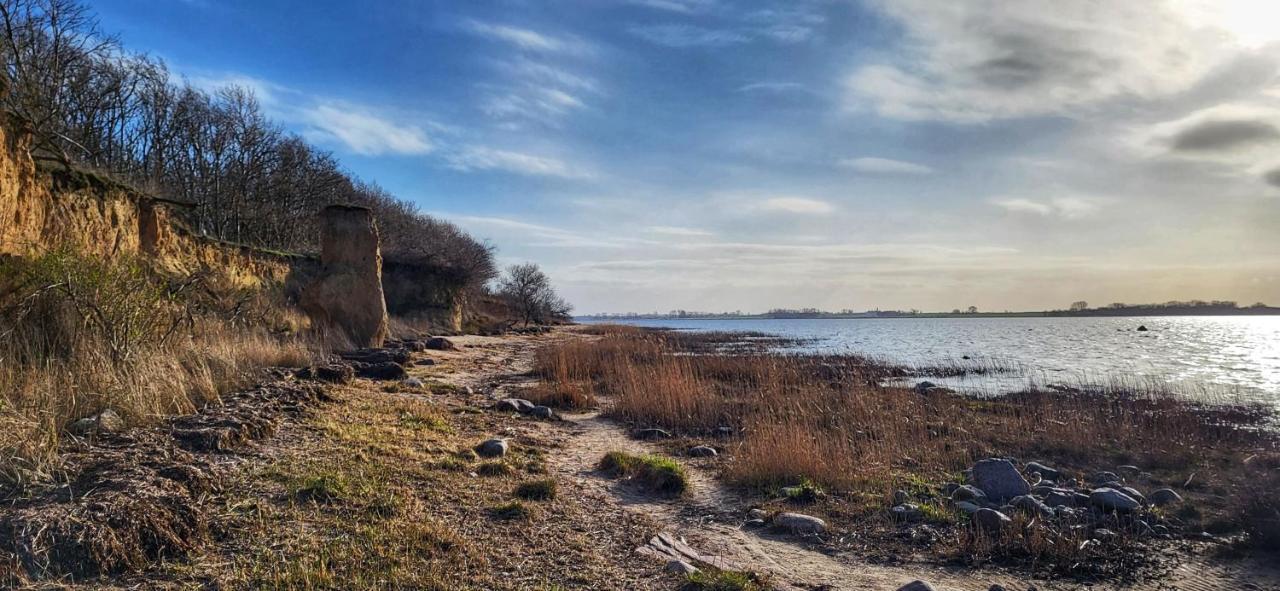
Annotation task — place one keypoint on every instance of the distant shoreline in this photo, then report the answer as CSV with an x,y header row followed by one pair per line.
x,y
1103,313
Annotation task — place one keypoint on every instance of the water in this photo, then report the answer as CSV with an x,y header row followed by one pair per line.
x,y
1200,356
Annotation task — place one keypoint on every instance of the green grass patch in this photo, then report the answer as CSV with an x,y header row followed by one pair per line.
x,y
537,490
511,511
723,580
323,488
655,472
493,469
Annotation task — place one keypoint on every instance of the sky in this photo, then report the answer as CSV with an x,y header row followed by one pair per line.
x,y
716,155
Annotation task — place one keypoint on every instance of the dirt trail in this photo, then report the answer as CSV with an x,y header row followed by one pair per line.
x,y
498,368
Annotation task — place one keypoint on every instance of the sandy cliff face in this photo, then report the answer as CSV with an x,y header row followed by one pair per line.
x,y
348,295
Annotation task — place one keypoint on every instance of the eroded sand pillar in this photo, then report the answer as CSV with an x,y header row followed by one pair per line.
x,y
348,295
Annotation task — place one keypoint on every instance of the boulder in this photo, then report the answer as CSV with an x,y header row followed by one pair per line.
x,y
1110,499
492,448
702,451
425,362
381,371
413,383
999,479
967,507
967,493
542,412
900,497
799,523
1101,478
652,433
991,521
1044,471
1060,499
1104,534
916,585
924,387
440,344
334,373
758,514
1133,493
106,421
907,512
347,297
1165,496
519,405
681,567
1032,506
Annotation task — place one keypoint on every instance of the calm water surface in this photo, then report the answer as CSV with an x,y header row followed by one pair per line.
x,y
1196,355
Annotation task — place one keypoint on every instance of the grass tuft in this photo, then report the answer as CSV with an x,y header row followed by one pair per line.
x,y
537,490
655,472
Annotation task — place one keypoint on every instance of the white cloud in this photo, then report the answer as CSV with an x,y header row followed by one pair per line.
x,y
773,87
1061,207
678,231
482,158
681,35
364,132
987,59
870,165
802,205
682,6
525,39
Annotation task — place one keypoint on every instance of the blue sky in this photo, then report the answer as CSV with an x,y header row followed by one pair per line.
x,y
707,154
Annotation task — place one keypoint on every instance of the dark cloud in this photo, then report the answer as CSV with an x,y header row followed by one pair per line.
x,y
1272,178
1224,135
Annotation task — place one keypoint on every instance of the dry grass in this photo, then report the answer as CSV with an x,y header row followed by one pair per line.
x,y
80,335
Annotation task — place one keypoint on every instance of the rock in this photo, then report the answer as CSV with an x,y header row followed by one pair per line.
x,y
949,487
908,513
493,448
1104,534
1133,492
542,412
1110,499
1060,499
381,371
967,507
415,346
413,383
1129,469
334,373
1081,499
652,433
519,405
1032,506
703,451
755,523
1101,478
400,356
900,497
440,344
425,362
1165,496
1044,471
724,431
106,421
758,514
991,521
681,567
348,295
916,585
800,523
999,479
967,493
1142,328
923,387
996,588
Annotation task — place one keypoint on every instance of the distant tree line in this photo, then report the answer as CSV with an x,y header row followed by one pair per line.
x,y
94,104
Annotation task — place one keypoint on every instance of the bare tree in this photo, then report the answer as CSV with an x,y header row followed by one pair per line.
x,y
528,290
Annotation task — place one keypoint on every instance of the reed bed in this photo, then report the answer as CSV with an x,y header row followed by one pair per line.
x,y
829,421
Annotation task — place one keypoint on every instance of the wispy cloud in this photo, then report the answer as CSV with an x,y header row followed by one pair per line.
x,y
801,205
682,35
678,231
525,39
1062,207
870,165
363,132
773,87
682,6
485,159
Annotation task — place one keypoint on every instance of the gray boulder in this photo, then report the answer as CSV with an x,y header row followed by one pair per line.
x,y
1101,478
1044,471
967,493
106,421
900,497
908,513
916,585
1032,506
1110,499
800,523
412,383
1165,496
967,507
999,479
924,387
703,451
991,521
519,405
758,514
681,567
542,412
493,448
